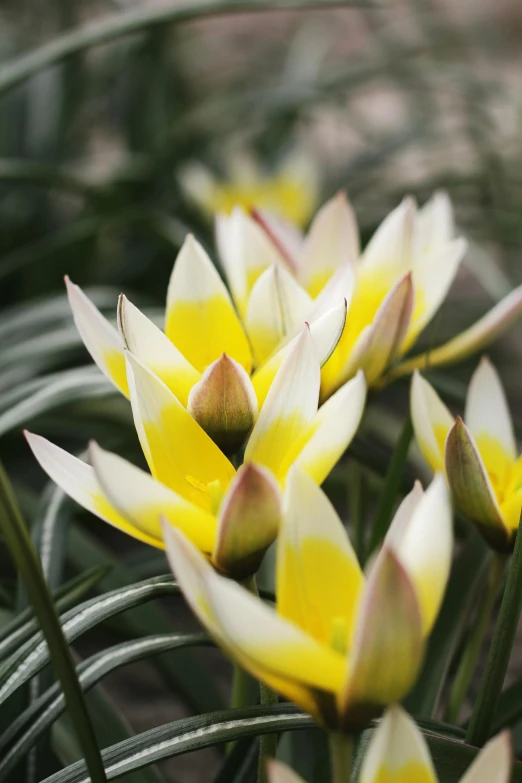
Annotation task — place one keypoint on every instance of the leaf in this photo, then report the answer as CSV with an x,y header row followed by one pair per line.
x,y
24,624
34,655
24,555
509,710
28,727
451,756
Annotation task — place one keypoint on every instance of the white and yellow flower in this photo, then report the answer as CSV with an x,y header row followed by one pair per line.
x,y
398,753
231,517
478,453
289,191
323,646
393,288
204,355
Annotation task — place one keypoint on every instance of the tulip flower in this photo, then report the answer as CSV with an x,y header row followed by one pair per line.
x,y
393,288
289,191
340,644
478,453
230,517
204,355
398,753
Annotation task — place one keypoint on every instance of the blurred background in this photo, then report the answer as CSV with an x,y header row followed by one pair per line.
x,y
116,117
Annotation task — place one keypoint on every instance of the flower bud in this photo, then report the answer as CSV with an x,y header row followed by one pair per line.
x,y
224,403
248,522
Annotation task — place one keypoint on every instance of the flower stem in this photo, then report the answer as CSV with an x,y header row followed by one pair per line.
x,y
341,755
267,742
493,679
468,662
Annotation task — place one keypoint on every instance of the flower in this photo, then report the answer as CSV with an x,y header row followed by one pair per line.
x,y
340,644
479,456
289,192
204,355
398,752
393,288
231,517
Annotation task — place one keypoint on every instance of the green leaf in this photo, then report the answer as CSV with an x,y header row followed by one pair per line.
x,y
509,710
24,555
34,655
24,624
28,727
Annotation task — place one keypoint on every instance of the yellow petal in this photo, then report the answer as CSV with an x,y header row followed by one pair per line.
x,y
425,546
389,619
201,320
179,453
99,336
326,331
431,421
331,430
79,481
249,520
280,773
153,348
262,642
143,501
397,753
494,763
483,332
277,307
290,406
472,488
332,242
318,576
488,418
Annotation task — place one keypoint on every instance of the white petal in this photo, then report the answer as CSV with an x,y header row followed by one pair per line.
x,y
100,337
494,763
280,773
390,249
434,224
487,412
431,421
152,347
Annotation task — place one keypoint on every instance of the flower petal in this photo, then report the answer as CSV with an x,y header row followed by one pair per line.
x,y
326,332
471,487
431,421
99,336
494,763
78,480
179,453
332,430
277,307
263,643
389,620
434,225
332,242
286,237
143,501
487,416
483,332
289,408
245,252
280,773
152,347
425,547
390,250
201,320
432,279
397,752
224,403
318,577
249,520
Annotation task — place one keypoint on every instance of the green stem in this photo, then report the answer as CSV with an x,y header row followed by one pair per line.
x,y
468,662
392,483
341,757
493,679
267,742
